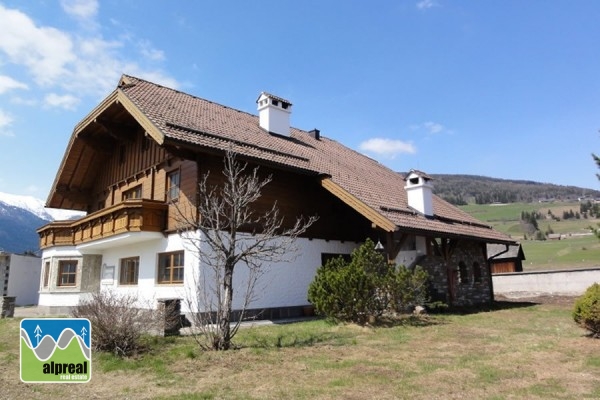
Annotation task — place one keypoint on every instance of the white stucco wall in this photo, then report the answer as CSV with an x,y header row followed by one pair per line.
x,y
23,278
558,283
283,284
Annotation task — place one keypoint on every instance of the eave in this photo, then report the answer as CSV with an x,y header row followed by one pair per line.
x,y
61,190
376,218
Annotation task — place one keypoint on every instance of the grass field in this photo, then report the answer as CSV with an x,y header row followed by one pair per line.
x,y
577,249
518,351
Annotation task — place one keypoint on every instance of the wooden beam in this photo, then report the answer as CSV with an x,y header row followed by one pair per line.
x,y
363,209
149,126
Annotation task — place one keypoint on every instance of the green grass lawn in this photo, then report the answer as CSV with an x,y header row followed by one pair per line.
x,y
570,253
516,351
573,251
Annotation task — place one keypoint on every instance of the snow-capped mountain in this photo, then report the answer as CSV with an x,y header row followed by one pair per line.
x,y
36,207
20,217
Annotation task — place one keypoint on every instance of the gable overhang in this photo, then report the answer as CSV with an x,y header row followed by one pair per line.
x,y
64,193
369,213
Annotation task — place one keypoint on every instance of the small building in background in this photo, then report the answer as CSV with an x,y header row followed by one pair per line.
x,y
505,258
20,277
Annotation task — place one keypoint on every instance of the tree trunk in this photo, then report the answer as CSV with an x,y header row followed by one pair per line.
x,y
223,341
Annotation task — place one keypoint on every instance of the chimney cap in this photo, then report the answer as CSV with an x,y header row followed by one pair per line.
x,y
418,173
272,96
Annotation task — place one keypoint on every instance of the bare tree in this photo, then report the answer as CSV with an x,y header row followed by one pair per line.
x,y
230,232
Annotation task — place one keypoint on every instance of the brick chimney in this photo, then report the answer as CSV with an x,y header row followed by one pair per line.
x,y
274,114
419,191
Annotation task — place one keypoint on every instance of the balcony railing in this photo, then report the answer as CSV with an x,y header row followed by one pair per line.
x,y
136,215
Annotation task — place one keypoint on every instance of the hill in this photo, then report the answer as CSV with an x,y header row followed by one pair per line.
x,y
474,189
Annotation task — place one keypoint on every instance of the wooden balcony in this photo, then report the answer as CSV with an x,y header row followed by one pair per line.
x,y
136,215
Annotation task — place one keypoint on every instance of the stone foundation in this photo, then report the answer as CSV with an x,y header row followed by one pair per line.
x,y
7,306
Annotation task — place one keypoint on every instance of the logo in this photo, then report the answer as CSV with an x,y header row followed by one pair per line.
x,y
56,350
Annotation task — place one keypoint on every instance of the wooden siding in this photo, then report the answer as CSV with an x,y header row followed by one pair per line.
x,y
297,196
132,163
503,267
129,216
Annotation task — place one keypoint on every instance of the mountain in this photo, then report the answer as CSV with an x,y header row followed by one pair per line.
x,y
20,216
463,189
36,207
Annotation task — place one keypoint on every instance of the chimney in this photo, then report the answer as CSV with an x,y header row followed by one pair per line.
x,y
419,191
315,134
274,114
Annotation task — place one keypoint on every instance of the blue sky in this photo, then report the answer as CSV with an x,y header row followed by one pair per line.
x,y
507,89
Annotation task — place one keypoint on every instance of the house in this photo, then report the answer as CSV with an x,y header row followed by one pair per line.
x,y
19,277
505,258
136,159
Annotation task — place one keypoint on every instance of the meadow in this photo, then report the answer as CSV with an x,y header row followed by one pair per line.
x,y
578,248
512,351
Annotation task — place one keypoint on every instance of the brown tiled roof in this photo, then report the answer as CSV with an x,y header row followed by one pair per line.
x,y
187,119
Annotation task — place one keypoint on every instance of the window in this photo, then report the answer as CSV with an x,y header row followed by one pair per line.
x,y
173,186
67,273
476,272
133,193
128,274
463,275
170,267
46,273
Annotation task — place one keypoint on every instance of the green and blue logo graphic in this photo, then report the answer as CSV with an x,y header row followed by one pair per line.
x,y
56,350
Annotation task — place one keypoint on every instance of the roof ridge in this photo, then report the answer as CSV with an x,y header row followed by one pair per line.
x,y
204,99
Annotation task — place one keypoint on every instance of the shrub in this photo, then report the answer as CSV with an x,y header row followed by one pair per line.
x,y
118,322
409,288
366,287
586,312
352,291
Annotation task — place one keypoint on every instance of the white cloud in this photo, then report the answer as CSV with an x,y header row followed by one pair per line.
x,y
66,101
44,51
82,9
7,83
81,63
387,147
425,4
150,52
5,121
433,127
23,101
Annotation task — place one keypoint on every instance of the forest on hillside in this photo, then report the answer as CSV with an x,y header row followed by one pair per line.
x,y
474,189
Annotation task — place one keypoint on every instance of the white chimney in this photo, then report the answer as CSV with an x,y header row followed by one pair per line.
x,y
274,114
419,191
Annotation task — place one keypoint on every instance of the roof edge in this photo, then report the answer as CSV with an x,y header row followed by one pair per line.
x,y
362,208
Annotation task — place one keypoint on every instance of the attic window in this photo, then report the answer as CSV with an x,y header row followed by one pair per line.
x,y
414,181
275,102
285,106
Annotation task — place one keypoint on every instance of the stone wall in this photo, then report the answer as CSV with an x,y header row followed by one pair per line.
x,y
7,306
456,287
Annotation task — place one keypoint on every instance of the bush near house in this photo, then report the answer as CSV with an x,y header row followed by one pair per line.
x,y
586,312
364,288
119,322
